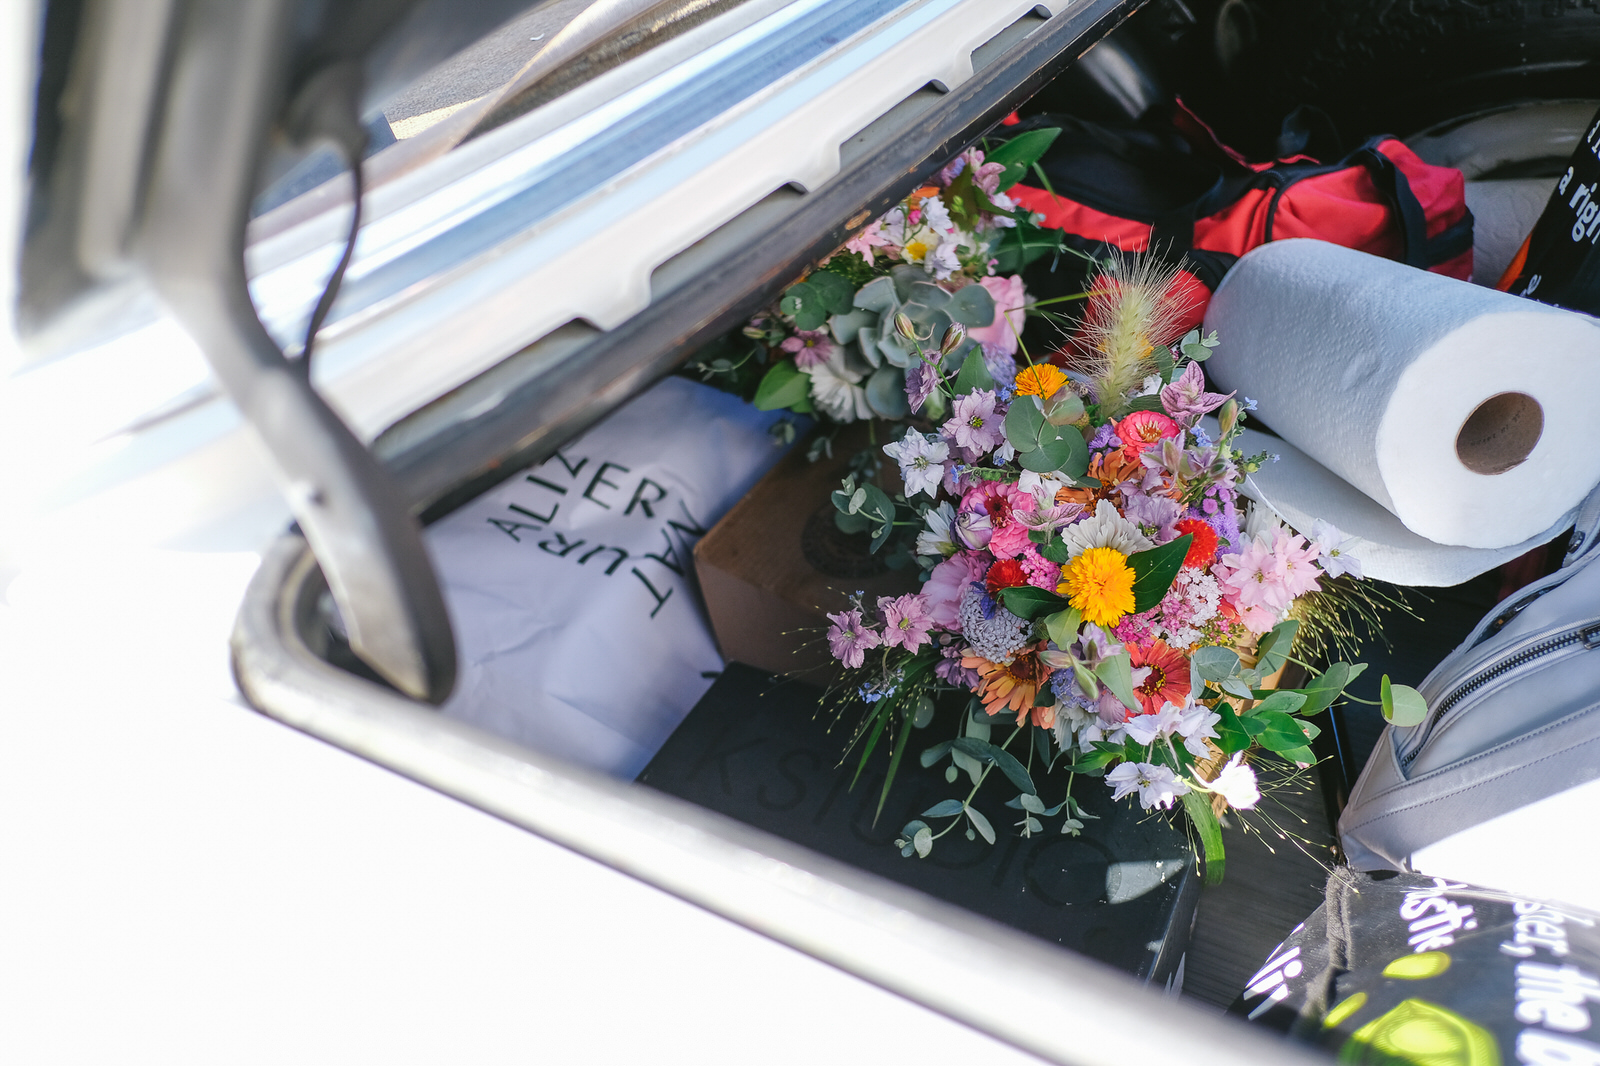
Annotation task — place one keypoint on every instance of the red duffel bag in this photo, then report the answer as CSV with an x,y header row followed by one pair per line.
x,y
1173,187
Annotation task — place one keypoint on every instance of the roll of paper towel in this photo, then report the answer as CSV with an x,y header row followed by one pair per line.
x,y
1469,414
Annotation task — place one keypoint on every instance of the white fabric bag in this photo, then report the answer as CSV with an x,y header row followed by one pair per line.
x,y
571,587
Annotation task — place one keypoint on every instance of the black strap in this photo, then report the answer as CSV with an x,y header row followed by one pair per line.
x,y
1392,184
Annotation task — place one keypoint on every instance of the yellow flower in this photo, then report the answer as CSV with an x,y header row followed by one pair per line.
x,y
1041,381
1099,583
915,251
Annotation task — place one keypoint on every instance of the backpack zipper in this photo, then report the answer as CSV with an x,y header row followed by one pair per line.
x,y
1589,636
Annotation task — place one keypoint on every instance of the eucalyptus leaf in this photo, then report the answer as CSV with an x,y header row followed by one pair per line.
x,y
923,842
1233,686
1284,701
803,303
1216,663
981,824
1031,803
1402,704
935,753
1325,688
1272,650
1064,408
944,809
836,294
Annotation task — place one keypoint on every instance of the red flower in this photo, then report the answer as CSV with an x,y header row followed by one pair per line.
x,y
1006,574
1168,680
1203,549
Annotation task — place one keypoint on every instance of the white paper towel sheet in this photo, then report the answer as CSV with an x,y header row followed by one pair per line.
x,y
578,628
1300,490
1373,368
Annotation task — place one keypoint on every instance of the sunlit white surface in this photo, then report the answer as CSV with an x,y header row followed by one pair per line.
x,y
187,881
1544,850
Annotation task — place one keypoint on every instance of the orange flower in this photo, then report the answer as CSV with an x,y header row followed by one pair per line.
x,y
1014,685
1041,381
1168,680
1110,469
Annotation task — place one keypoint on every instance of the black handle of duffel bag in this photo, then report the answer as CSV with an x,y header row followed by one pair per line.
x,y
1392,184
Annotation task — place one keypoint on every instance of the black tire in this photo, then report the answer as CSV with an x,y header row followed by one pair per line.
x,y
1398,66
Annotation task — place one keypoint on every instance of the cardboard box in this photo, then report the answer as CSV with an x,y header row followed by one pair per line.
x,y
758,567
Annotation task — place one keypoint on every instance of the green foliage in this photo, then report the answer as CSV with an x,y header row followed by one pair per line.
x,y
1062,627
1402,704
785,385
1020,153
1272,650
1153,571
1197,347
1117,674
1204,819
1028,601
974,375
1042,447
971,306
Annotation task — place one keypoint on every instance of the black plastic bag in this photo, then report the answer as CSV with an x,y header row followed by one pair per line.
x,y
1407,968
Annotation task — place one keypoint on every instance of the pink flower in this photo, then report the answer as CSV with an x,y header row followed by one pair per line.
x,y
849,639
905,621
946,585
1251,578
1186,399
1042,573
810,347
1298,561
999,502
1009,300
868,239
1264,579
1142,429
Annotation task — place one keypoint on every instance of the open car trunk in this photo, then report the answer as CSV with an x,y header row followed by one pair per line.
x,y
493,311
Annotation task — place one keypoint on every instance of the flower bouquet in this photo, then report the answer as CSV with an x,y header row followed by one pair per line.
x,y
1093,578
946,260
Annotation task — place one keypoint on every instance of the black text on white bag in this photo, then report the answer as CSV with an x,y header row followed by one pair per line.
x,y
1513,718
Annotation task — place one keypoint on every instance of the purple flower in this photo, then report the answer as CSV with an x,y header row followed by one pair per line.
x,y
1156,516
952,170
921,381
1187,399
810,347
1105,437
849,639
975,425
905,621
1001,364
950,670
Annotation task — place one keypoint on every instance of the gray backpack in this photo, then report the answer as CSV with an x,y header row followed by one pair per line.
x,y
1513,718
